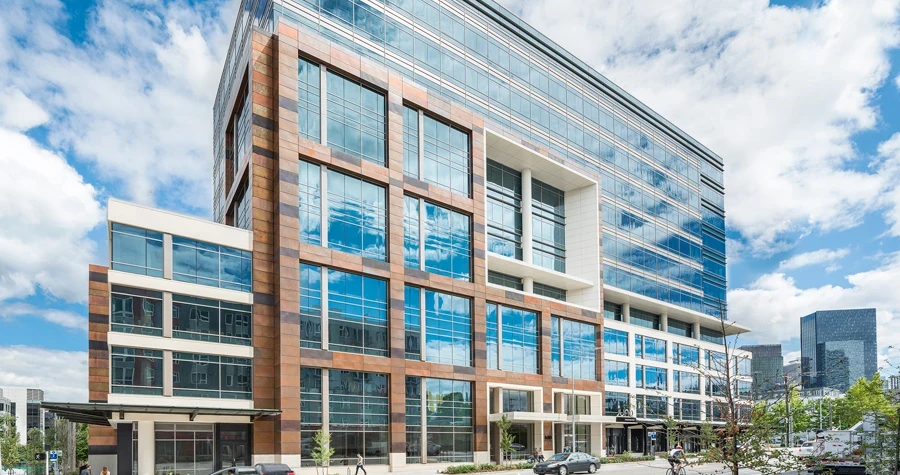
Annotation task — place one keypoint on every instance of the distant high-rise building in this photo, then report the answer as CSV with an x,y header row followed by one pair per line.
x,y
792,371
837,347
766,368
25,405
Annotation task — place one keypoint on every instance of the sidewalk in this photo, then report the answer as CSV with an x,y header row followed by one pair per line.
x,y
657,466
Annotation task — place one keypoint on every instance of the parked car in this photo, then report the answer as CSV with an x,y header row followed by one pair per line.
x,y
273,469
238,470
564,464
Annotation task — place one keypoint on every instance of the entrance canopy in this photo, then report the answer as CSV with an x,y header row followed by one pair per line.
x,y
101,413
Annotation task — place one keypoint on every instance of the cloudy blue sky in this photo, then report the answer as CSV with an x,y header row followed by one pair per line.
x,y
103,98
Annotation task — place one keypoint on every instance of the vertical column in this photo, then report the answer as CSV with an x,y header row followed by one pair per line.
x,y
324,305
421,144
323,203
125,447
528,284
697,330
527,236
325,396
167,256
422,216
168,368
146,455
423,445
422,326
626,313
664,322
323,104
167,315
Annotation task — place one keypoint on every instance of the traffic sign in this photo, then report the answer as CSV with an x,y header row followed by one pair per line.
x,y
53,456
653,436
41,456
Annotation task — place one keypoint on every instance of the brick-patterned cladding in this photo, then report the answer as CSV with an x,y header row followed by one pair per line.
x,y
277,252
101,439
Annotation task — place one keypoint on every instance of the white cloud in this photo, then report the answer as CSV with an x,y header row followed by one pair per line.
x,y
18,112
773,304
62,318
63,375
827,257
135,98
778,92
46,209
791,357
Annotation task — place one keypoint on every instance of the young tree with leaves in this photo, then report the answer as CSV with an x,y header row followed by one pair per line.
x,y
506,439
322,450
10,447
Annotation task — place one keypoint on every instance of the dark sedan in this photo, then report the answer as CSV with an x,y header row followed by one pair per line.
x,y
564,464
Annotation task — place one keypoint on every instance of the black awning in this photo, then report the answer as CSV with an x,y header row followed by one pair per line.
x,y
100,413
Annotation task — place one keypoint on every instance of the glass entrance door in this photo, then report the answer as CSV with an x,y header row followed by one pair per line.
x,y
234,445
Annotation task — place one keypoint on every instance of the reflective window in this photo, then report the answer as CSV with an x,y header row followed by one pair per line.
x,y
243,216
447,159
685,355
356,216
715,360
517,401
503,210
222,377
136,311
358,416
582,404
309,103
357,313
518,331
616,373
716,386
310,306
448,329
651,407
309,191
242,137
715,411
210,264
412,317
685,382
136,371
356,119
185,449
687,409
644,319
616,404
612,311
573,348
615,342
742,365
651,377
742,389
450,420
550,291
136,250
505,280
410,142
712,336
680,328
447,236
414,419
195,318
311,410
648,348
548,226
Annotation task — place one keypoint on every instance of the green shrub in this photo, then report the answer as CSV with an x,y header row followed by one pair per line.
x,y
486,467
626,458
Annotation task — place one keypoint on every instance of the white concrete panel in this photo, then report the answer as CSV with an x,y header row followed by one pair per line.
x,y
178,225
176,287
163,401
132,340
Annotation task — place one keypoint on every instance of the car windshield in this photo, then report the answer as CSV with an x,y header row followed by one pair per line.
x,y
557,457
807,444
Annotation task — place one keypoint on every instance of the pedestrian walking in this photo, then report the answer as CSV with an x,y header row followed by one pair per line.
x,y
86,469
105,471
359,465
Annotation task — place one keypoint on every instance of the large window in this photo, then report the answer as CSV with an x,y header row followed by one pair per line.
x,y
194,318
136,311
448,329
310,306
309,120
716,361
136,250
356,119
222,377
242,136
447,239
616,373
414,420
449,417
136,371
548,226
685,355
549,291
505,280
574,349
358,416
311,410
644,319
504,210
357,313
446,157
616,404
356,216
517,401
685,382
518,331
412,322
309,206
210,264
185,449
712,336
651,377
612,311
648,348
680,328
687,409
615,342
651,407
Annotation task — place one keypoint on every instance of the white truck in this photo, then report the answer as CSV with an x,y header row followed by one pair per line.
x,y
834,452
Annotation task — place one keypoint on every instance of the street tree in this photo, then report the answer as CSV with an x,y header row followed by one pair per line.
x,y
12,450
506,439
322,450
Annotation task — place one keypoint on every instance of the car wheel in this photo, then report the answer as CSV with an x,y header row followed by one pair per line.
x,y
563,470
592,468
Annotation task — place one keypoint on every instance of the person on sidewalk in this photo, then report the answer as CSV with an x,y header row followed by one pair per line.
x,y
359,465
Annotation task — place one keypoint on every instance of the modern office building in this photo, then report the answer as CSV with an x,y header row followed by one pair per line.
x,y
441,218
837,347
25,405
766,369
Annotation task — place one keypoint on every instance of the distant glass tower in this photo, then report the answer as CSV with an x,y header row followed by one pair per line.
x,y
766,368
837,347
